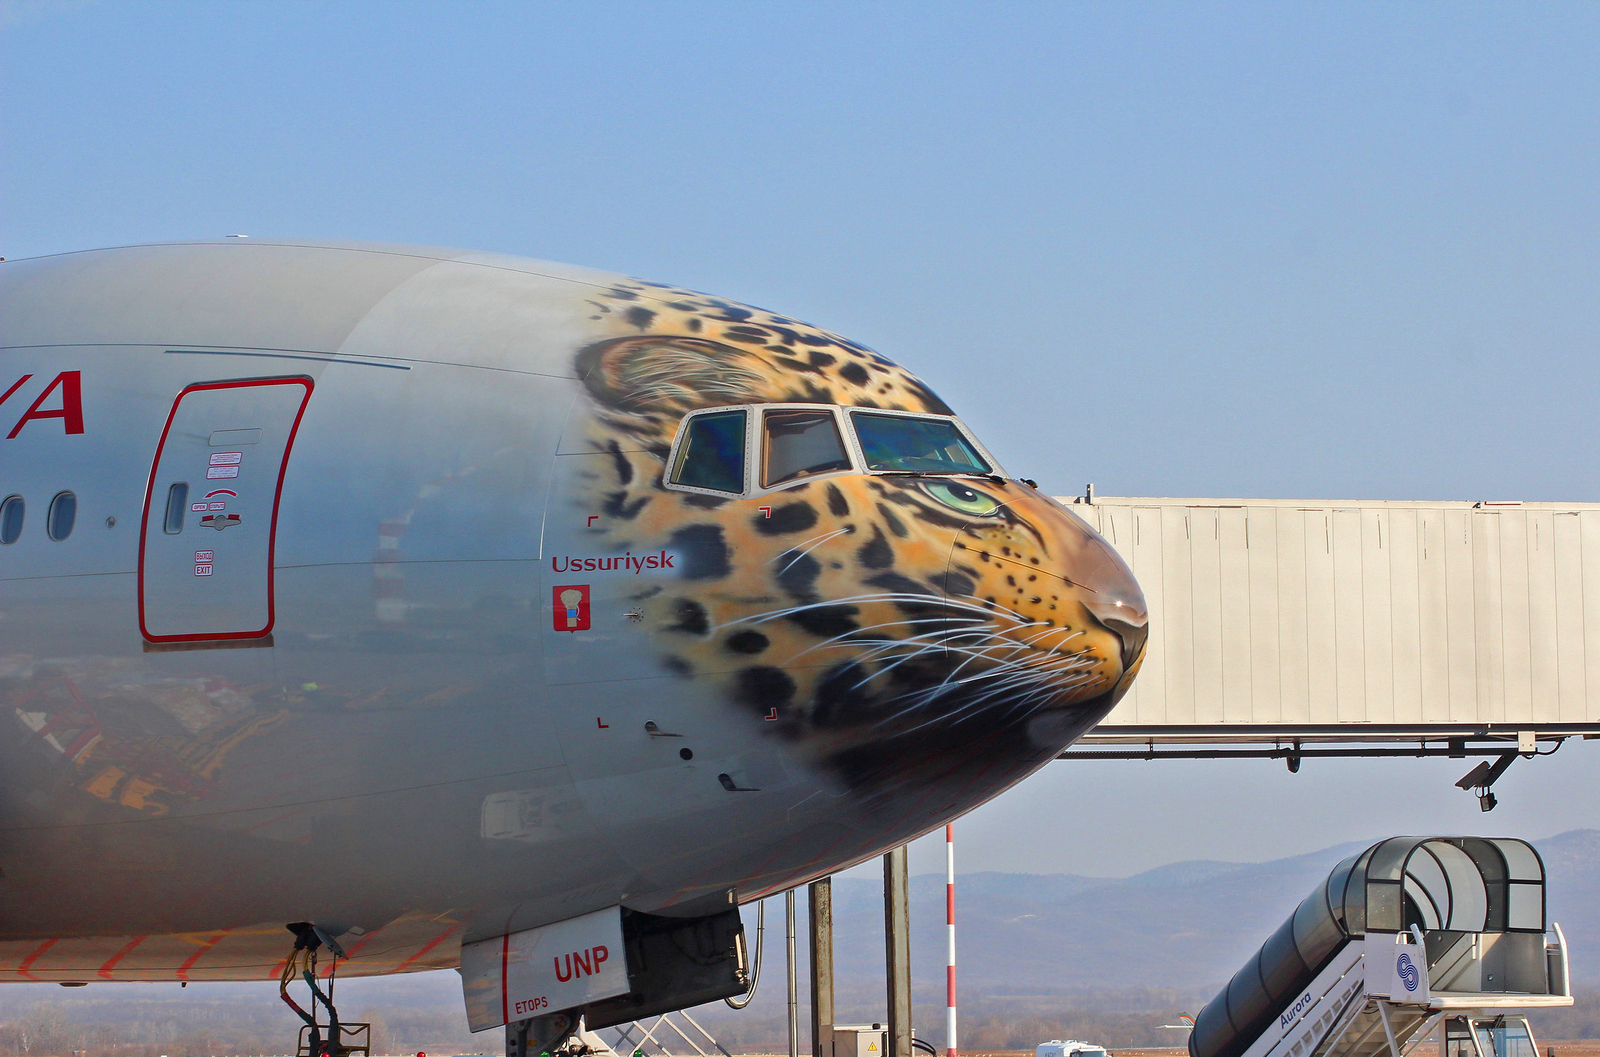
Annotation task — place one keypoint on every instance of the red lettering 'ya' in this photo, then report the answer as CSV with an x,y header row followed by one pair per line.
x,y
70,411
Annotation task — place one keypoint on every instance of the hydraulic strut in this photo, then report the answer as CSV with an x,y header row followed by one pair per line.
x,y
302,962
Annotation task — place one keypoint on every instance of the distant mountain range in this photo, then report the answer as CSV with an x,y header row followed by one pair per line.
x,y
1045,954
1041,956
1187,926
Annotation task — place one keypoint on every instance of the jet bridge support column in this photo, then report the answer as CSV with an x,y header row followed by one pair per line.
x,y
897,951
821,918
794,996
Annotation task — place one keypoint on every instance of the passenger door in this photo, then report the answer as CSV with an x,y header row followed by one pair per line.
x,y
211,510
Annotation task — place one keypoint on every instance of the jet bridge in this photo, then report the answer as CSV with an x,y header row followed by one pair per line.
x,y
1410,933
1295,629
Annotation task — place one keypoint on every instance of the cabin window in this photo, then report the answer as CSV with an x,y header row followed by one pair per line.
x,y
177,503
59,519
711,454
11,515
908,444
800,444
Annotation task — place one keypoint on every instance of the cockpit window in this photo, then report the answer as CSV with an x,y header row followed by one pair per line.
x,y
712,453
799,444
906,444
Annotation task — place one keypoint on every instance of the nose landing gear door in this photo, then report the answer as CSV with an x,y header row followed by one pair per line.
x,y
211,511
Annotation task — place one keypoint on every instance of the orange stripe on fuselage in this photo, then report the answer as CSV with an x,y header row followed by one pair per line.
x,y
29,960
105,970
436,941
205,948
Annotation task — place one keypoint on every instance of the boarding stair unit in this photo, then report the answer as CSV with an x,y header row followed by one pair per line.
x,y
1413,934
652,1039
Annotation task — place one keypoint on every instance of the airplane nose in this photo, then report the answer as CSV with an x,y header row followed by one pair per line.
x,y
962,631
928,627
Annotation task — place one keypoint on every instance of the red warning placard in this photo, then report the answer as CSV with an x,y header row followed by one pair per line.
x,y
570,603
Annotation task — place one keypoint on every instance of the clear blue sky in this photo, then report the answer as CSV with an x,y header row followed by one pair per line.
x,y
1285,250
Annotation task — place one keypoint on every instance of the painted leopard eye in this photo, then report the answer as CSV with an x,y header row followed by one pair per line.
x,y
958,496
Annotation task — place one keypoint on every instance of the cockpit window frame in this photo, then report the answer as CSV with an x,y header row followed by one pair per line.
x,y
841,427
755,436
860,454
751,429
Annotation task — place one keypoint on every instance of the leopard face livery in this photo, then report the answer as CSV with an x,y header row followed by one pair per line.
x,y
862,616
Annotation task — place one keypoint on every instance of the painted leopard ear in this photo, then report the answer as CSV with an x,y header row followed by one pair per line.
x,y
672,374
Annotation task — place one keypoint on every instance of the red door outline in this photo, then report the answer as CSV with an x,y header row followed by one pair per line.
x,y
272,527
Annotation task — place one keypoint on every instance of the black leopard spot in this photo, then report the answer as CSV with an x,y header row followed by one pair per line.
x,y
764,688
838,505
747,642
639,316
827,622
918,672
703,502
690,616
617,505
791,517
808,392
842,696
677,666
876,552
820,359
956,583
730,313
798,575
702,550
794,364
854,373
896,526
620,461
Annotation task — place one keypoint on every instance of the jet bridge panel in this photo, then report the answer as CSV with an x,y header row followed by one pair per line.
x,y
1280,619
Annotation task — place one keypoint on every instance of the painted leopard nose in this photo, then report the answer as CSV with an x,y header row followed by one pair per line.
x,y
1131,626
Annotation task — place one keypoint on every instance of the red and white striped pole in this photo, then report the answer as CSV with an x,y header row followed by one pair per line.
x,y
950,930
